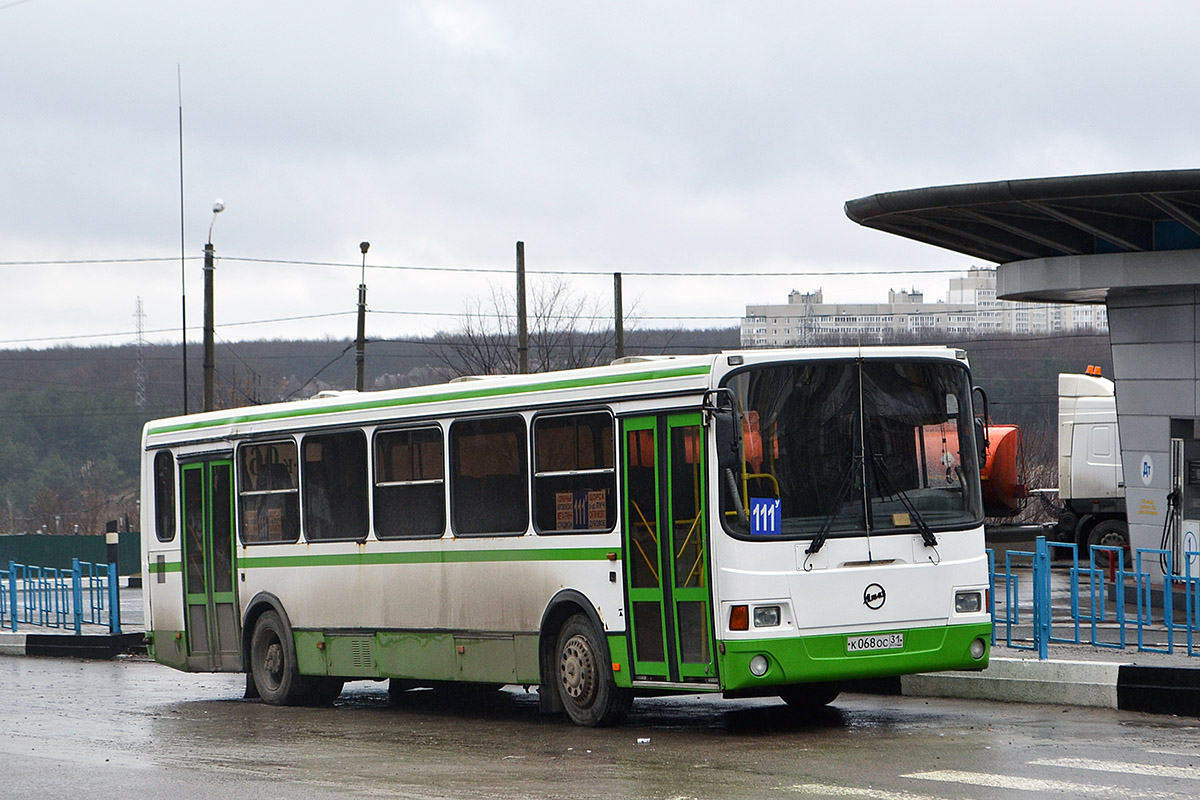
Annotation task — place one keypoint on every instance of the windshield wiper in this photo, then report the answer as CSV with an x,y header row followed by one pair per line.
x,y
819,540
885,485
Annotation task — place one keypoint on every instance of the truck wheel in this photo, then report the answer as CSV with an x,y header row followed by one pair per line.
x,y
273,663
1109,533
585,683
1067,523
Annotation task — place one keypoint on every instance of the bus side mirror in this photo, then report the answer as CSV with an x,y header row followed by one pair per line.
x,y
729,439
981,425
728,426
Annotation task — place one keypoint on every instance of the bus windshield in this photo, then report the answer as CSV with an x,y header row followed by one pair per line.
x,y
847,447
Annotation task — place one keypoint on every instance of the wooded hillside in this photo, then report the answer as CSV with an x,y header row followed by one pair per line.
x,y
70,418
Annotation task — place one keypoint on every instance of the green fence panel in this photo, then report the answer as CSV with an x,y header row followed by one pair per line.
x,y
49,550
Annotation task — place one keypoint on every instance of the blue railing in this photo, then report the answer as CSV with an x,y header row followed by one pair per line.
x,y
51,597
1046,596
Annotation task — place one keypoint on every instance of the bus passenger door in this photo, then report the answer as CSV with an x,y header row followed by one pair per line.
x,y
210,594
666,548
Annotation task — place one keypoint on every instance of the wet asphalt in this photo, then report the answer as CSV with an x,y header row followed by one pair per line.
x,y
132,728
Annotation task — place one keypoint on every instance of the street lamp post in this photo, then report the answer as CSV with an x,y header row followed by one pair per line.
x,y
360,353
209,268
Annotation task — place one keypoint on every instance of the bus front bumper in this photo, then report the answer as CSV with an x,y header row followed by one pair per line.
x,y
834,657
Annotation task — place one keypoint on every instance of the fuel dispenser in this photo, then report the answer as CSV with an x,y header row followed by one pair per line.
x,y
1181,534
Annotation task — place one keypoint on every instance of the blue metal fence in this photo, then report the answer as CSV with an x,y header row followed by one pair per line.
x,y
1046,596
50,597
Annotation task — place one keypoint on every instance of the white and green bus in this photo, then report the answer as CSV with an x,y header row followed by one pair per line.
x,y
756,523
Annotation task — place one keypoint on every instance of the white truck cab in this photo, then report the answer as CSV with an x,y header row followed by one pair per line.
x,y
1091,483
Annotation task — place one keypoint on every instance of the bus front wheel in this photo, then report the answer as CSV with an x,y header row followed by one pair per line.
x,y
273,664
808,697
585,684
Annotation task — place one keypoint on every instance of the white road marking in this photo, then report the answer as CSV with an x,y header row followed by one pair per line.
x,y
1041,785
1180,753
828,790
1154,770
1046,785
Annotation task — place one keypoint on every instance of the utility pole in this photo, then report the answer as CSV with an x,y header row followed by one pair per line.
x,y
618,315
209,268
360,353
522,322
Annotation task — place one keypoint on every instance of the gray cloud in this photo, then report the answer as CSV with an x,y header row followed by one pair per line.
x,y
688,136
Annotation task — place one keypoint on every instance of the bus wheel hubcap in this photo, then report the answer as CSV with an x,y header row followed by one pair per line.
x,y
577,670
274,661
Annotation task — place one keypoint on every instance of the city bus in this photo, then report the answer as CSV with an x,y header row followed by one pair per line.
x,y
753,523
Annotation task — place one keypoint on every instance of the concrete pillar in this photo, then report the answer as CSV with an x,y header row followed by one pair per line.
x,y
1154,334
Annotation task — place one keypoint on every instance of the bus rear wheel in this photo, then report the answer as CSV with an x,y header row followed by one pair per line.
x,y
585,684
273,663
322,690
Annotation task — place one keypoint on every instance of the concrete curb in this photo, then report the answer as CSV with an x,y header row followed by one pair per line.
x,y
68,645
12,644
1129,687
1015,680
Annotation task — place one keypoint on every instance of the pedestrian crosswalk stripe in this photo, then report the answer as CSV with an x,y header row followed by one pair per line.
x,y
1154,770
1051,785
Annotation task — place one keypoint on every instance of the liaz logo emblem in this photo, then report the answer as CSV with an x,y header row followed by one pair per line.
x,y
874,597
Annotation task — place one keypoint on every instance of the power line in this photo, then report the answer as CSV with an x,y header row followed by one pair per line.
x,y
331,362
71,262
116,334
604,273
560,317
599,273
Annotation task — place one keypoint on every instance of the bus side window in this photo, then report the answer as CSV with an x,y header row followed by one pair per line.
x,y
268,494
410,488
489,476
574,483
164,496
334,486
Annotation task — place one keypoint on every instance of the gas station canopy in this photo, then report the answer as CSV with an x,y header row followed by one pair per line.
x,y
1018,220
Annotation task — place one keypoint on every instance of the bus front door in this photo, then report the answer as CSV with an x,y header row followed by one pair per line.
x,y
666,549
210,594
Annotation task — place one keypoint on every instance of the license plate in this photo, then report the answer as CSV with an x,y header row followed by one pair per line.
x,y
886,641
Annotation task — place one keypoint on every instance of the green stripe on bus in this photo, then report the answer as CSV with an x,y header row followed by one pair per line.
x,y
164,567
428,557
439,397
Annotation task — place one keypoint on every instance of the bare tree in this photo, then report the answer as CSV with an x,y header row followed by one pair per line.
x,y
565,331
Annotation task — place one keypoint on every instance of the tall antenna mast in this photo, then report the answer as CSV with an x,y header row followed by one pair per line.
x,y
182,246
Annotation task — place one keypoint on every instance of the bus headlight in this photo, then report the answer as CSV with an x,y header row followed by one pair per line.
x,y
766,617
758,666
968,602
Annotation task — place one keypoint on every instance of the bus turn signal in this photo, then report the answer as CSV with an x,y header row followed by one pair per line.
x,y
739,618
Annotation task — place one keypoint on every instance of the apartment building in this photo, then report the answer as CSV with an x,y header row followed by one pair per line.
x,y
970,309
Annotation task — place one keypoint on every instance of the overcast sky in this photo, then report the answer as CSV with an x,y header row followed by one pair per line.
x,y
679,137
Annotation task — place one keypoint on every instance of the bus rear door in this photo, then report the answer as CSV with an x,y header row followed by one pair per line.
x,y
210,593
